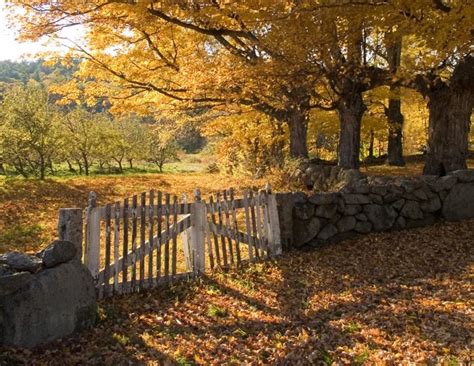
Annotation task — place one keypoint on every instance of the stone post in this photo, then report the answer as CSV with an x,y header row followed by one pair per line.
x,y
70,228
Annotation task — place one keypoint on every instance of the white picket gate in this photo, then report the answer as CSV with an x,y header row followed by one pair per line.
x,y
151,239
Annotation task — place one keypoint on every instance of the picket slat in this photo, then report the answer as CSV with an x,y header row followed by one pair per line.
x,y
225,204
167,238
263,199
134,241
254,225
221,225
142,238
107,287
235,226
116,247
174,240
125,241
151,241
214,235
159,237
248,225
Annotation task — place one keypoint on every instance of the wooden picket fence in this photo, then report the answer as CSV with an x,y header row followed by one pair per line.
x,y
151,238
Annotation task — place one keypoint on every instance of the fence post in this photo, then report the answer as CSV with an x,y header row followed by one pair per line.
x,y
70,228
274,238
186,238
92,257
197,233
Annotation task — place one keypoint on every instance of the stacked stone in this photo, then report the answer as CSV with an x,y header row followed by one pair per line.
x,y
380,204
44,296
323,177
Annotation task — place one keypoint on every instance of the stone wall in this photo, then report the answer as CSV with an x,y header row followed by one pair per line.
x,y
371,204
44,297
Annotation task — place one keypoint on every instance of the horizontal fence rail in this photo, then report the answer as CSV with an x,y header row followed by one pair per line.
x,y
151,238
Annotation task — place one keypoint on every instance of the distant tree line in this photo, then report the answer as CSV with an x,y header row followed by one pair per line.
x,y
37,135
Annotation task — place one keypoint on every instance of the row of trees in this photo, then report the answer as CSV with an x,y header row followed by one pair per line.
x,y
281,59
36,134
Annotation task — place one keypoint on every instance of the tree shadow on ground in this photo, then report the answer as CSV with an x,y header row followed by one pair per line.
x,y
406,287
387,298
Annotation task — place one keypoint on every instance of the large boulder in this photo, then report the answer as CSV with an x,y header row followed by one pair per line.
x,y
382,217
459,203
411,210
50,304
464,176
59,251
305,231
21,262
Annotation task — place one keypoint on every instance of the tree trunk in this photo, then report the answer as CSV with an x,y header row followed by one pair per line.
x,y
448,133
450,107
86,163
298,127
42,167
350,108
130,163
371,144
395,129
70,167
394,111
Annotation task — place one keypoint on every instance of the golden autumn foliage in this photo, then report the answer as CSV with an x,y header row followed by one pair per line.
x,y
282,59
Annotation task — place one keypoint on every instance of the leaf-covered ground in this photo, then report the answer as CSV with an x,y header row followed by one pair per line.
x,y
30,207
387,298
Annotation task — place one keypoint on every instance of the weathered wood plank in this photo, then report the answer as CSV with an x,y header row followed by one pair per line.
x,y
116,247
235,226
134,240
208,237
167,238
159,235
225,205
92,258
151,241
175,236
212,209
248,227
256,239
125,241
263,201
221,227
142,238
107,288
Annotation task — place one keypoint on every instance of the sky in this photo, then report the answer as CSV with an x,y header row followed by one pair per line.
x,y
12,50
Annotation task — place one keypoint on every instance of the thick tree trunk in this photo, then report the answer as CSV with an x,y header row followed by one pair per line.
x,y
298,127
448,134
395,130
394,111
350,108
450,107
371,144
